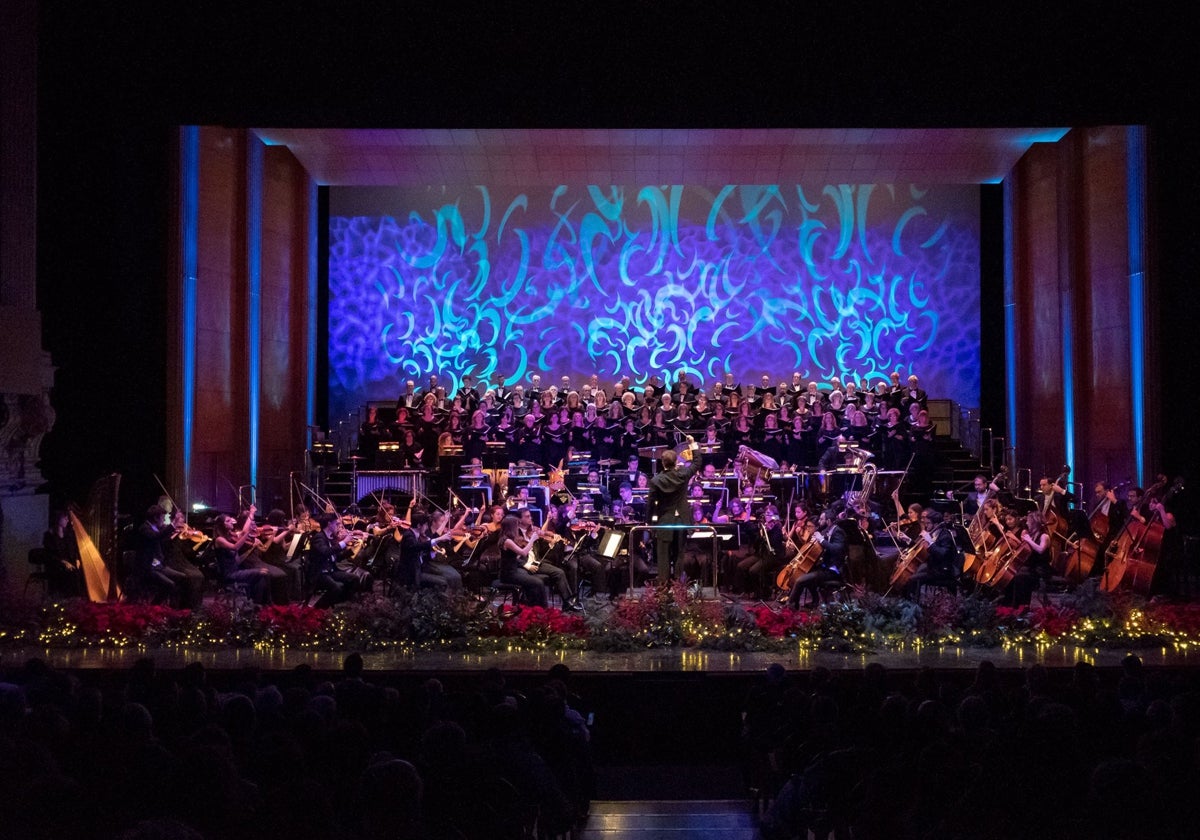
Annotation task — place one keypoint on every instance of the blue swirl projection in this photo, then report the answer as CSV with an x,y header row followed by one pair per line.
x,y
832,280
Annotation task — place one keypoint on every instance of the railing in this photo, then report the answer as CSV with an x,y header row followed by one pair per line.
x,y
709,531
345,436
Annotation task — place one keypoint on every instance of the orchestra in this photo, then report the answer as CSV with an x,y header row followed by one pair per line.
x,y
590,477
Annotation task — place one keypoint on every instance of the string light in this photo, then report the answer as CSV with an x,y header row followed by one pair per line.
x,y
650,619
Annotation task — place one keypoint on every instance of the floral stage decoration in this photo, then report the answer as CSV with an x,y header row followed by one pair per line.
x,y
651,618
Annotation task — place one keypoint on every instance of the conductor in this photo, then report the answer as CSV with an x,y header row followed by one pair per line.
x,y
667,503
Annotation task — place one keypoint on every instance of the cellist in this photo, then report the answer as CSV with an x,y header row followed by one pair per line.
x,y
940,562
1032,541
828,567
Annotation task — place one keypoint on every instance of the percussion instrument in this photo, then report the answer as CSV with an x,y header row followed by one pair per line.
x,y
369,482
755,464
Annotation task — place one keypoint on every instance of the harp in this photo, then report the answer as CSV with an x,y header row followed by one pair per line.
x,y
98,539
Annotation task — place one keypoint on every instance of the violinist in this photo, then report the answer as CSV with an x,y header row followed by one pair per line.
x,y
178,554
150,574
582,562
517,539
908,520
384,533
440,535
235,546
940,568
276,539
305,523
322,563
416,566
476,546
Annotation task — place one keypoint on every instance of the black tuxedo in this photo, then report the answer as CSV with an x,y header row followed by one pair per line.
x,y
668,504
913,395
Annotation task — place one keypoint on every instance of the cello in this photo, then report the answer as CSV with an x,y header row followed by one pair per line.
x,y
802,562
1002,561
908,563
1056,523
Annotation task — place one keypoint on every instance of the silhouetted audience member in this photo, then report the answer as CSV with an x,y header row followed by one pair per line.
x,y
178,755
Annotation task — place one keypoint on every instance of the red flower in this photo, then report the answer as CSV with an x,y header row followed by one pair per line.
x,y
1007,615
542,620
1178,618
783,623
1053,621
293,619
129,620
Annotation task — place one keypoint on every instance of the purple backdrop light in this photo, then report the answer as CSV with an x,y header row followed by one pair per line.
x,y
826,281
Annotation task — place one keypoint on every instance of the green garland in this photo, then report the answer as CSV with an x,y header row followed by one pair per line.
x,y
651,619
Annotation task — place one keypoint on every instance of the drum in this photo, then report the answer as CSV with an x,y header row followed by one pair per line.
x,y
755,464
824,487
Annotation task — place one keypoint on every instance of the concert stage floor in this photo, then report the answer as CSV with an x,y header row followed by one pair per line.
x,y
661,661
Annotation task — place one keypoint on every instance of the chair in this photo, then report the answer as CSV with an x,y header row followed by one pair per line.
x,y
508,592
312,593
39,558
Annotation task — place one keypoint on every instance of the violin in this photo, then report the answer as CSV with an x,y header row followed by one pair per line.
x,y
549,536
192,535
476,535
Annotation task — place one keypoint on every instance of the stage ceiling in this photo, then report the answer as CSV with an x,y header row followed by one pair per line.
x,y
420,157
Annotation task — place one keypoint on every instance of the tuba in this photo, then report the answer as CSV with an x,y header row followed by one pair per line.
x,y
868,486
853,497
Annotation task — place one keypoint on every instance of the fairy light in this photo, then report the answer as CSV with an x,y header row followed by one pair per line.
x,y
651,619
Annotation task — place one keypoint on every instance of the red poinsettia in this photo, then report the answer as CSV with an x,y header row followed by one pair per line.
x,y
1053,621
292,619
1009,615
128,620
544,620
1179,618
783,623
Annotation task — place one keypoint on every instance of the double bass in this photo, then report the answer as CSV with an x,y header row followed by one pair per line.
x,y
1078,559
1099,521
981,537
1132,558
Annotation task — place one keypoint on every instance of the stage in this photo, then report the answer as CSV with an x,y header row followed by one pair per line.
x,y
669,661
597,663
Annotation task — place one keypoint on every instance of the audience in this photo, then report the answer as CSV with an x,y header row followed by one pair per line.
x,y
871,754
160,756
